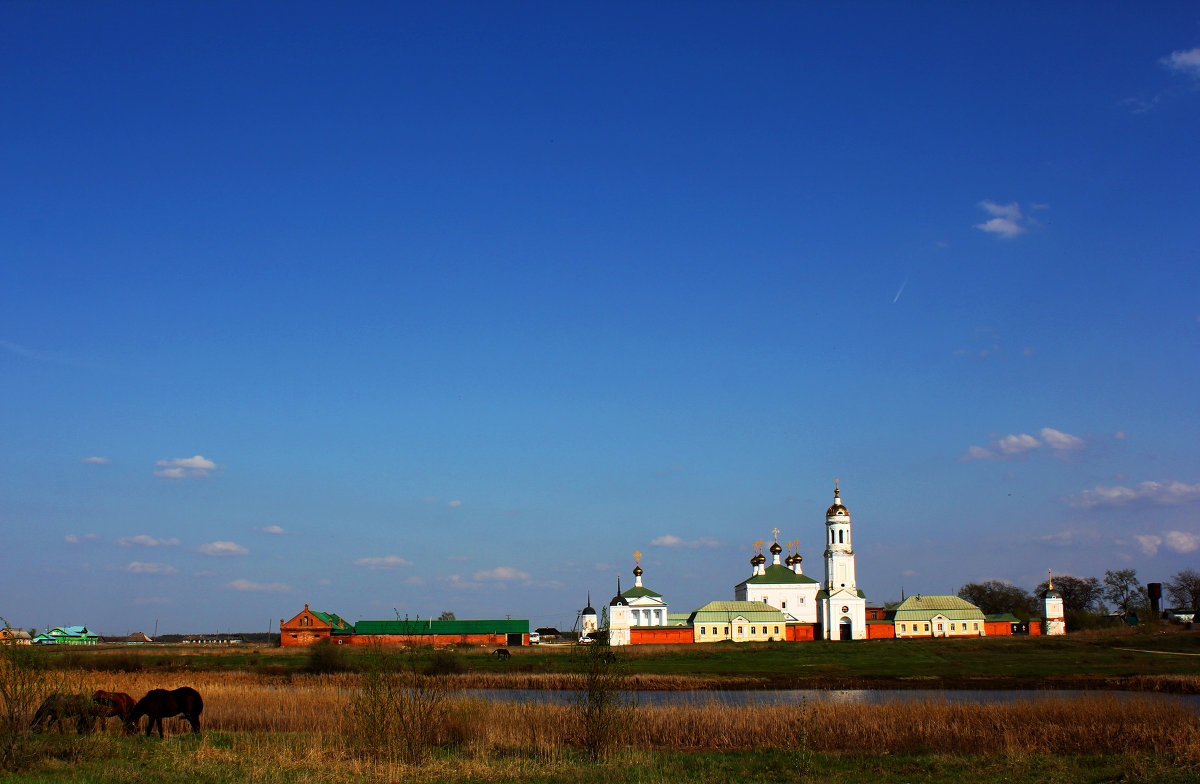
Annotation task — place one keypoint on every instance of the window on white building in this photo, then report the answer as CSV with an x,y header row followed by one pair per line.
x,y
701,631
777,630
739,630
901,628
926,627
951,627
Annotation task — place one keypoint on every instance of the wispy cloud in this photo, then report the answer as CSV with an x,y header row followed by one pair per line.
x,y
273,529
77,538
454,503
383,562
247,585
141,567
1016,446
670,540
1186,62
95,460
144,541
502,573
1159,493
222,548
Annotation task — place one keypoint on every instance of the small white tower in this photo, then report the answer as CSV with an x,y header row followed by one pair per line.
x,y
1054,620
587,618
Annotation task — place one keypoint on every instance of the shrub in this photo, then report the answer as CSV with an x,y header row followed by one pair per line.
x,y
326,657
23,685
445,663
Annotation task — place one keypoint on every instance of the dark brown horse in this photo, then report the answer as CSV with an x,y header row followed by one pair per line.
x,y
58,708
161,704
114,703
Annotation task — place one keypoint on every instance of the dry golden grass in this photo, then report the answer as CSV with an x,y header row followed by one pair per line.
x,y
315,706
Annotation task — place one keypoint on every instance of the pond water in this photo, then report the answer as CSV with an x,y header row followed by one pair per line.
x,y
839,696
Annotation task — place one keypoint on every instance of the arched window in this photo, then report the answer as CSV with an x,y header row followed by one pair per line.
x,y
840,535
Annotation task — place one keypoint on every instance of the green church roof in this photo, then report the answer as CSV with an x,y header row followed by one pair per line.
x,y
777,574
638,591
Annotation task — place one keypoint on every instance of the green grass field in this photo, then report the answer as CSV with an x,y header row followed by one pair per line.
x,y
1114,659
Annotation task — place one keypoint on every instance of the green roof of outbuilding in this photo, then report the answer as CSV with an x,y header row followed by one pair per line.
x,y
776,574
638,591
723,612
337,624
500,626
1002,618
922,608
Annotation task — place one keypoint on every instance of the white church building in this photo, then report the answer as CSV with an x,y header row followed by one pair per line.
x,y
835,605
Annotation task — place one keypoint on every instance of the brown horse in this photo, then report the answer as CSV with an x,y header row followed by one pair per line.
x,y
161,704
114,703
58,708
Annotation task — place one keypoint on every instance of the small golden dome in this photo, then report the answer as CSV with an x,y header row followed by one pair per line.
x,y
836,509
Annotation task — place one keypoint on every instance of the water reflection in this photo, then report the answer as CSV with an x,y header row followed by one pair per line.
x,y
836,696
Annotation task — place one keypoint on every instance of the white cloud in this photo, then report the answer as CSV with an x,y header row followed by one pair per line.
x,y
142,540
247,585
383,562
1007,220
670,540
185,467
222,548
1017,445
76,538
1149,543
1186,62
1158,493
139,567
1002,226
502,573
1181,541
454,503
1056,439
273,529
96,460
1014,446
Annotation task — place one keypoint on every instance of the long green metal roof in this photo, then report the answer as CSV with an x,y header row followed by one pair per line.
x,y
724,612
922,608
499,626
777,574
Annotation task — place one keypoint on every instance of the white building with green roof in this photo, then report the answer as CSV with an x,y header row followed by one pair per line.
x,y
785,588
738,621
938,616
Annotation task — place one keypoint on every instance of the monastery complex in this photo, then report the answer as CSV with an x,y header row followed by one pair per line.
x,y
777,602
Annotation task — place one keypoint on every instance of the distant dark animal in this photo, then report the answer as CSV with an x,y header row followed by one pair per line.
x,y
114,703
161,704
57,708
502,653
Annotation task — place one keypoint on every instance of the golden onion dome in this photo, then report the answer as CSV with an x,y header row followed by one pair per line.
x,y
836,509
776,549
637,571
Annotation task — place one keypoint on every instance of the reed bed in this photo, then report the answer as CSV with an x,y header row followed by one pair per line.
x,y
316,705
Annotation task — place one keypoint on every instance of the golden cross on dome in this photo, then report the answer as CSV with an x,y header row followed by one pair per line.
x,y
758,546
1049,580
835,486
638,557
776,532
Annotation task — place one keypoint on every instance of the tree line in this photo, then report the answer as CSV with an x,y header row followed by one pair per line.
x,y
1084,597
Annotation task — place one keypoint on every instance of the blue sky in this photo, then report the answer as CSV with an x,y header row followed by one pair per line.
x,y
425,307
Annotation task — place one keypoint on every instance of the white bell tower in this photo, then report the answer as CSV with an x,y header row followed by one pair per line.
x,y
839,550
